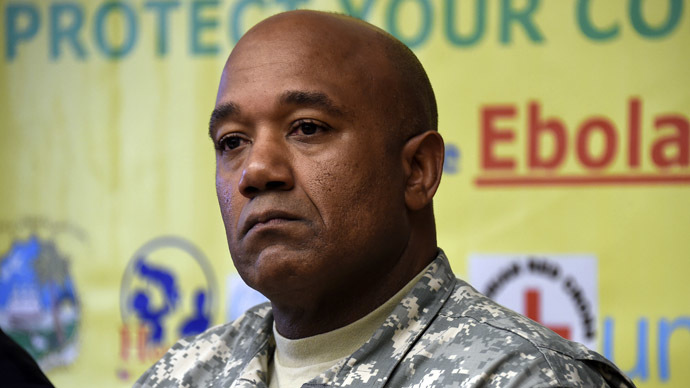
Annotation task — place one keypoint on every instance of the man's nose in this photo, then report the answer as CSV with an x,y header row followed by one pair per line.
x,y
267,167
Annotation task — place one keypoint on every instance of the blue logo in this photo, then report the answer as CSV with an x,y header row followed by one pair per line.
x,y
168,291
39,307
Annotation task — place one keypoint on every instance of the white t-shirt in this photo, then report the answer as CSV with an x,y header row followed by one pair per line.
x,y
297,361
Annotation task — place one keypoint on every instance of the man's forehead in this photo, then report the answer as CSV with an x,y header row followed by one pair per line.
x,y
286,81
311,34
285,54
303,56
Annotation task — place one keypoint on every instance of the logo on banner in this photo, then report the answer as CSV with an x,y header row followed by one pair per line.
x,y
168,292
39,304
558,291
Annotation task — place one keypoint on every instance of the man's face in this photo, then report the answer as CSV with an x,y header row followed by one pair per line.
x,y
310,185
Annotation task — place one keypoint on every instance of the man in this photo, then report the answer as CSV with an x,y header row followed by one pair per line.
x,y
327,161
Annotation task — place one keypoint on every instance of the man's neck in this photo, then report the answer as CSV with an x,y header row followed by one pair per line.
x,y
335,310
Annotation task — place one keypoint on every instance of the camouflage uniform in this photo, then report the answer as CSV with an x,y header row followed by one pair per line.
x,y
443,334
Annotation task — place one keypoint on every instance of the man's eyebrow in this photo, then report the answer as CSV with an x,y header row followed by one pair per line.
x,y
220,113
310,99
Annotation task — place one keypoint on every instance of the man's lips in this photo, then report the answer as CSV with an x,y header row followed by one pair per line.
x,y
270,217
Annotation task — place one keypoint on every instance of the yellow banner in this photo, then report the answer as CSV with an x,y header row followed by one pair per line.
x,y
567,128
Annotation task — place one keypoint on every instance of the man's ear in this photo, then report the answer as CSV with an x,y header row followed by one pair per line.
x,y
423,164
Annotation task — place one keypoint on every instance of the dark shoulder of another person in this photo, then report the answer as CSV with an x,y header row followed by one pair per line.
x,y
17,368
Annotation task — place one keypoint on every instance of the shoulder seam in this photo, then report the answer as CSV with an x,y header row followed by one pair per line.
x,y
537,347
512,332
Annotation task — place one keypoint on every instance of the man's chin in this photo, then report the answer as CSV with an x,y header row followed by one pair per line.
x,y
278,270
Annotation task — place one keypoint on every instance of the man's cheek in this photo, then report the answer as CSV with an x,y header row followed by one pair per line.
x,y
227,208
224,191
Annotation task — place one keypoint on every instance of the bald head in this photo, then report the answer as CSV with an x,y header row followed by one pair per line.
x,y
379,65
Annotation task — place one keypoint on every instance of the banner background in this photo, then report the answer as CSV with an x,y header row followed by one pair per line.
x,y
104,148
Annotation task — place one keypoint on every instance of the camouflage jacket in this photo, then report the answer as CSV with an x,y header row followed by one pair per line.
x,y
443,334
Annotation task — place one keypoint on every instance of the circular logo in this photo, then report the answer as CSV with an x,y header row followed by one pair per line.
x,y
557,290
168,289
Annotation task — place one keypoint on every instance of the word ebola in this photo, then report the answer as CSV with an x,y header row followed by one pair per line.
x,y
596,144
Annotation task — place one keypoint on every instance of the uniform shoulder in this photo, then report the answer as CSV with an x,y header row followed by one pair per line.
x,y
221,348
236,334
568,360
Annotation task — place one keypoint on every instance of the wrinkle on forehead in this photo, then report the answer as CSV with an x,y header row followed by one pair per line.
x,y
322,45
339,41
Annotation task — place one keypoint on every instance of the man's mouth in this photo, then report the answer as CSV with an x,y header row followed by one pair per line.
x,y
266,219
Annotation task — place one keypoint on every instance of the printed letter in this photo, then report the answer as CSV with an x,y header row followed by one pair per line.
x,y
509,15
162,10
67,32
130,26
453,35
13,34
583,142
588,28
536,128
425,14
641,25
680,140
491,135
667,328
634,118
641,369
199,25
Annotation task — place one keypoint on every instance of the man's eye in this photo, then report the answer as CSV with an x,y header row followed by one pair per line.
x,y
307,128
229,143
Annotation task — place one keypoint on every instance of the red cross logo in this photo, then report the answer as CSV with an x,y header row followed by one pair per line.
x,y
533,312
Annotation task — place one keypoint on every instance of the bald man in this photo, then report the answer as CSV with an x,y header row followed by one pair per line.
x,y
327,160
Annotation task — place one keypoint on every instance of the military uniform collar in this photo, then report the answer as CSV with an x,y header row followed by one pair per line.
x,y
372,364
